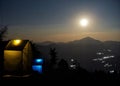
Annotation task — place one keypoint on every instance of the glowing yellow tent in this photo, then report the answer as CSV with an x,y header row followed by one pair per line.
x,y
18,57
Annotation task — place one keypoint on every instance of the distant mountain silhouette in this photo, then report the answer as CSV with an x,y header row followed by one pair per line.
x,y
86,40
47,43
92,54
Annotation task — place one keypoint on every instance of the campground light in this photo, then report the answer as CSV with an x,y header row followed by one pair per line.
x,y
37,68
16,42
38,65
39,61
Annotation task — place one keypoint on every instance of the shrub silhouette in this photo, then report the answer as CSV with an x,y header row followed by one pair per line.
x,y
63,66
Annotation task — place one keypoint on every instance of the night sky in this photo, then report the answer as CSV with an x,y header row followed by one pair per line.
x,y
58,20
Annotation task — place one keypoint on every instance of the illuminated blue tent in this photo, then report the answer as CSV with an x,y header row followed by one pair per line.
x,y
37,66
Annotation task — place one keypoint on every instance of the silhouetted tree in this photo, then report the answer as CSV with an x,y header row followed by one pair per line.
x,y
36,51
53,55
3,31
63,65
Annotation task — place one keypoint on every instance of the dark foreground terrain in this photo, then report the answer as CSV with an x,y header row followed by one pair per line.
x,y
72,78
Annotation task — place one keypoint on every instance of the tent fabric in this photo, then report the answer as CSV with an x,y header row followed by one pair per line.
x,y
20,47
18,58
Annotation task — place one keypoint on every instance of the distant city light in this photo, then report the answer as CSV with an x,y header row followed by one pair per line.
x,y
107,65
73,66
72,60
109,50
107,57
103,62
112,56
99,53
95,59
111,71
100,59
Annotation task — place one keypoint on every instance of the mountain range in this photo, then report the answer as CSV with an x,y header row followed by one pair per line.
x,y
90,53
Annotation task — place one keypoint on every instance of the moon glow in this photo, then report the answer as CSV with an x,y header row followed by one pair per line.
x,y
84,22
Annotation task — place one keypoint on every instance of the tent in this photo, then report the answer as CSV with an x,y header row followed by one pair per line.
x,y
18,57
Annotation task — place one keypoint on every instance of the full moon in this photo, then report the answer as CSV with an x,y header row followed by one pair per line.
x,y
84,22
